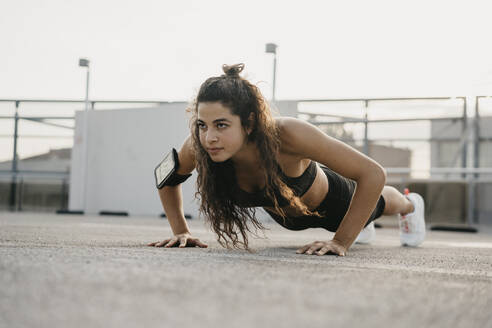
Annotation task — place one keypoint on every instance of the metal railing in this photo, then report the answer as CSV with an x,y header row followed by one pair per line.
x,y
469,171
470,134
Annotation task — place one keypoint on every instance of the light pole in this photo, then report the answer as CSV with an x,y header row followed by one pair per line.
x,y
271,48
83,62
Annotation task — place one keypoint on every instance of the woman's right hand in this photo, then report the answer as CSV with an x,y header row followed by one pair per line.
x,y
180,240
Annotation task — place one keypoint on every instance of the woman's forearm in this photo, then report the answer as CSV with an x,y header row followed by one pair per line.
x,y
172,202
364,201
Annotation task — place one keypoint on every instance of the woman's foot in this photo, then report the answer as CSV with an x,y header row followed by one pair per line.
x,y
367,234
412,225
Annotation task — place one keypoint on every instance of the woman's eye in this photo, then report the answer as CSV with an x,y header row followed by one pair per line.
x,y
221,125
201,126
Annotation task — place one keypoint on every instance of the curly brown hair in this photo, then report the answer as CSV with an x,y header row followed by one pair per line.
x,y
216,180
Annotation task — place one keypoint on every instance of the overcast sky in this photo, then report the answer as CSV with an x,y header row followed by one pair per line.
x,y
163,50
150,49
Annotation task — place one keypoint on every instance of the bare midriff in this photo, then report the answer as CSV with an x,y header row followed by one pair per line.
x,y
313,196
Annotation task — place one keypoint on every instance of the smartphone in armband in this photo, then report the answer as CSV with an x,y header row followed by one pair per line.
x,y
165,169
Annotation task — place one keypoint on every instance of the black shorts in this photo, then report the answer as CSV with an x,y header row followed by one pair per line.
x,y
332,209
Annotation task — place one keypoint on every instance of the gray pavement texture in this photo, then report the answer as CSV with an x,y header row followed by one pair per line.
x,y
92,271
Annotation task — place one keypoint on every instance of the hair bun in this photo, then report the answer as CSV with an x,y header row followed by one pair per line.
x,y
233,70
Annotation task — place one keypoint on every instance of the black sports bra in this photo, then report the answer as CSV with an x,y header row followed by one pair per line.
x,y
299,186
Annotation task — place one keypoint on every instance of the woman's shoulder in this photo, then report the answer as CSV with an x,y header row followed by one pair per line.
x,y
186,155
287,127
299,137
286,123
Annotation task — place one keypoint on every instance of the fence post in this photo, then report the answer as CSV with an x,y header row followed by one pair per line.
x,y
63,191
21,194
366,123
13,183
464,127
476,160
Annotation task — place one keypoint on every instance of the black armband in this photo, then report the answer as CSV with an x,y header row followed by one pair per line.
x,y
165,172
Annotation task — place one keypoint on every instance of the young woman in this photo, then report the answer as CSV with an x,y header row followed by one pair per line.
x,y
245,158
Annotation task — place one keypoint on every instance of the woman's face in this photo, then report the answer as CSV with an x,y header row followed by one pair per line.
x,y
221,133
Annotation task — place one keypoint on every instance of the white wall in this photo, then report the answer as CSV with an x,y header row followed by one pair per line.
x,y
124,148
125,145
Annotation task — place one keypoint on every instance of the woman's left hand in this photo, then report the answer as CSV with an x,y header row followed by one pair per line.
x,y
323,247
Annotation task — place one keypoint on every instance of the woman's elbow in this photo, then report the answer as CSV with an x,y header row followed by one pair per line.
x,y
377,175
374,175
381,175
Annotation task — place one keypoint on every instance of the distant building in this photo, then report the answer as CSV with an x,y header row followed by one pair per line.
x,y
391,157
448,141
55,160
447,146
46,192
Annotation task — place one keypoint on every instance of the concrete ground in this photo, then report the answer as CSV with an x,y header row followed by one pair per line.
x,y
94,271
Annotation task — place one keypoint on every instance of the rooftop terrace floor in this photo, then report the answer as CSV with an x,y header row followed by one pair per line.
x,y
95,271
